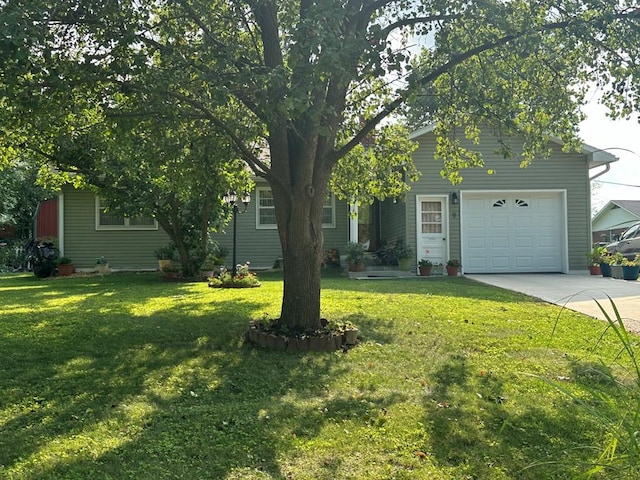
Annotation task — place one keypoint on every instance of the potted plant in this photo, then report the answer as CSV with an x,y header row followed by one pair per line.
x,y
209,265
631,268
102,265
355,256
171,271
605,265
65,267
453,265
594,257
166,256
616,260
425,265
403,253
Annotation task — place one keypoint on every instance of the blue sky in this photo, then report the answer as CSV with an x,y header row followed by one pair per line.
x,y
622,139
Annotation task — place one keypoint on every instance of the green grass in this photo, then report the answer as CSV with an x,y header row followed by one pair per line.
x,y
128,377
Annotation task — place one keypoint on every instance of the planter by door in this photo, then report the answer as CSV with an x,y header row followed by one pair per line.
x,y
163,264
102,268
425,271
616,271
595,270
356,267
404,264
452,271
606,269
630,272
65,270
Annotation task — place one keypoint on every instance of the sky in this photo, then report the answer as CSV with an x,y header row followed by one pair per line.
x,y
622,139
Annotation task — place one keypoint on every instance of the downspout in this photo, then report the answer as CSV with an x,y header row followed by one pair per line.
x,y
61,222
607,167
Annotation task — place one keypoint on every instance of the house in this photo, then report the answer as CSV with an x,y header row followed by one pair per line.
x,y
613,219
86,231
45,223
534,219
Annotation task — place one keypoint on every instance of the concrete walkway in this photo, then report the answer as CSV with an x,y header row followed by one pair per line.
x,y
576,292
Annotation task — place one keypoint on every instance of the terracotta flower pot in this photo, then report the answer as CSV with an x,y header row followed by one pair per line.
x,y
66,269
595,270
425,271
452,271
356,267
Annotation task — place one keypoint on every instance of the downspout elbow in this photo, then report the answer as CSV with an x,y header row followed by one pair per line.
x,y
607,167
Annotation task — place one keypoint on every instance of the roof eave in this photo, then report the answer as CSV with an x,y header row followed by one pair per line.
x,y
595,156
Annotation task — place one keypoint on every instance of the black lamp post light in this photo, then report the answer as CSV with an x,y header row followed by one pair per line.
x,y
231,198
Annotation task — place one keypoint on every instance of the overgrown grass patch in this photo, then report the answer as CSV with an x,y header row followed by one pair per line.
x,y
124,376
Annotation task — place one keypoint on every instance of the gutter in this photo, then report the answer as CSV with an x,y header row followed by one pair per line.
x,y
607,167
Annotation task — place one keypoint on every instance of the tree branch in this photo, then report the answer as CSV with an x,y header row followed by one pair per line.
x,y
454,61
259,167
404,22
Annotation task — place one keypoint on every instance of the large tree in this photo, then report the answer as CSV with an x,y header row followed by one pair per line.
x,y
317,77
174,169
20,194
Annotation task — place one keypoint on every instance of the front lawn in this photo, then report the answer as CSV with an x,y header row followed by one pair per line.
x,y
128,377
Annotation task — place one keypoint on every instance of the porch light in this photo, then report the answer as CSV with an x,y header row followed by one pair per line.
x,y
231,198
454,198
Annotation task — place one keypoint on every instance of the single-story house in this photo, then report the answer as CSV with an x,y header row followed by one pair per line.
x,y
613,219
534,219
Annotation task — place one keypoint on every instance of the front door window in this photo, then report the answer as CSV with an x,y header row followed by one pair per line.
x,y
432,218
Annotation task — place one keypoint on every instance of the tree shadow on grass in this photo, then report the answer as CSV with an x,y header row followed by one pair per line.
x,y
95,392
476,428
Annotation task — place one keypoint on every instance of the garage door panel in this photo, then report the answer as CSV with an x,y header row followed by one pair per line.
x,y
512,232
547,242
499,222
523,222
477,243
547,222
548,261
499,242
500,263
524,242
477,222
524,262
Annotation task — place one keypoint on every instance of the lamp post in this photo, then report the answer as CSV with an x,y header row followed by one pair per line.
x,y
231,198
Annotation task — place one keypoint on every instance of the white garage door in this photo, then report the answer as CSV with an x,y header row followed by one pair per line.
x,y
509,232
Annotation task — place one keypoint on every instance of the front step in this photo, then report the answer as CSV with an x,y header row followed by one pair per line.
x,y
382,272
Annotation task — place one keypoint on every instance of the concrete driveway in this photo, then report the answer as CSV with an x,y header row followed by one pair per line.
x,y
576,292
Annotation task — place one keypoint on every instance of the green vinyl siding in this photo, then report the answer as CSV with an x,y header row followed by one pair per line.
x,y
261,246
124,249
562,172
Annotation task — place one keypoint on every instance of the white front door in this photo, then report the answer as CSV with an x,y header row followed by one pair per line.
x,y
432,228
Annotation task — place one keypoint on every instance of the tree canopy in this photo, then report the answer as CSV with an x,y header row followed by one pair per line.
x,y
311,81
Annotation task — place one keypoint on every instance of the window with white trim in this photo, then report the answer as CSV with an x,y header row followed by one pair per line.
x,y
266,210
113,220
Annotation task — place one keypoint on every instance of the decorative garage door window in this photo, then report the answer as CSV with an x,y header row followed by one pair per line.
x,y
500,203
431,217
522,203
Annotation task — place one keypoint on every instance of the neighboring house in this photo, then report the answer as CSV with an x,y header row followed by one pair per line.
x,y
614,218
534,219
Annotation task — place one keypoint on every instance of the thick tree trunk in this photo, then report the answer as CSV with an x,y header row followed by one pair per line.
x,y
302,268
300,230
